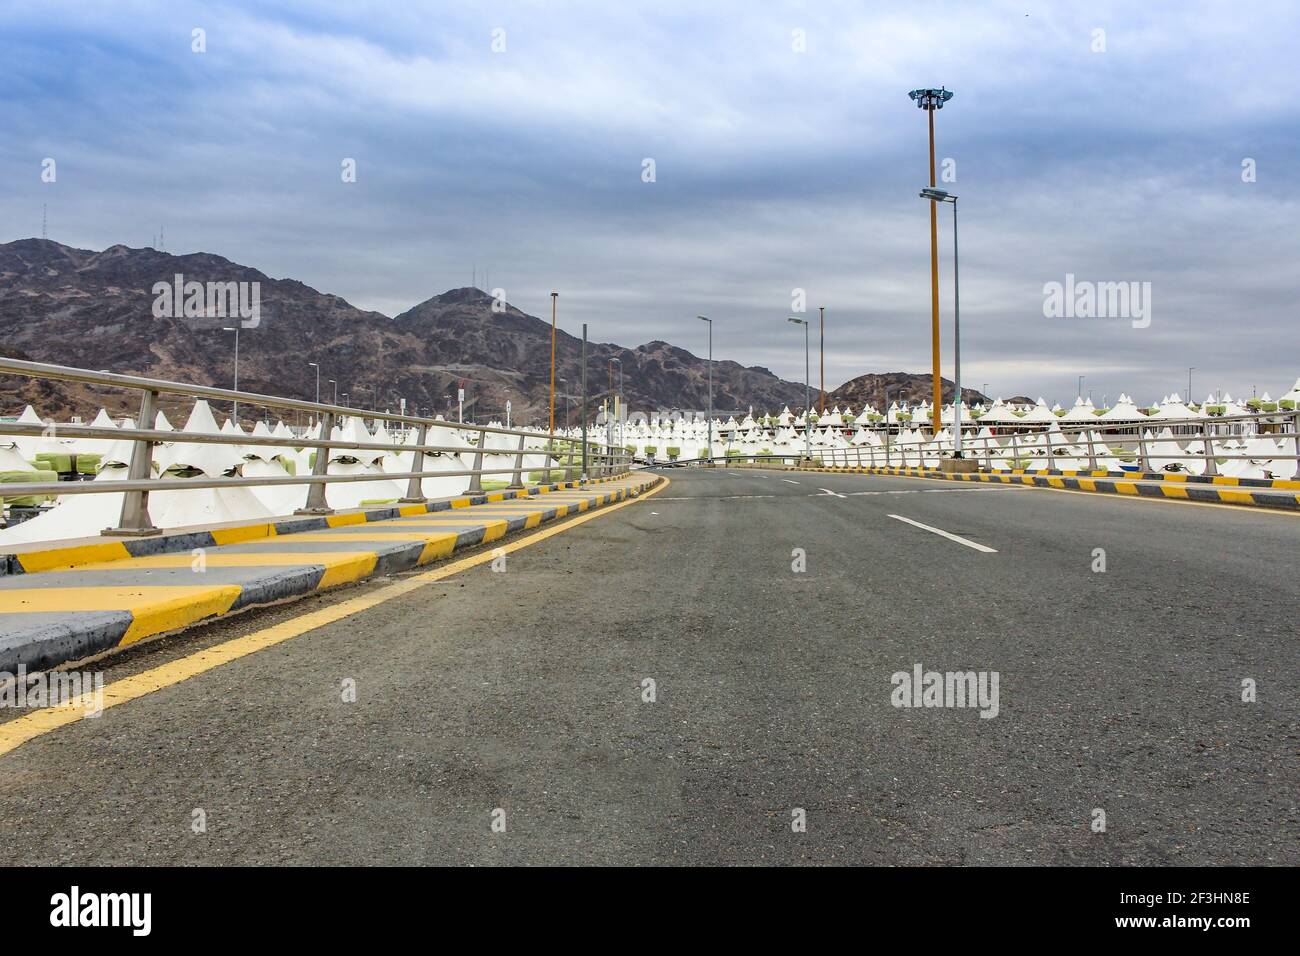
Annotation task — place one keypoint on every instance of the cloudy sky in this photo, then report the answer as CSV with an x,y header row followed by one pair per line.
x,y
1101,140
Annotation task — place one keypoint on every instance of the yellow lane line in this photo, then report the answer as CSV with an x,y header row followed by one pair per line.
x,y
17,732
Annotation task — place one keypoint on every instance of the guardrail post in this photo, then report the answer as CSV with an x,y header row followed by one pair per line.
x,y
316,501
1015,453
414,488
476,480
1051,459
568,461
888,462
1207,449
1295,428
134,520
546,470
1144,463
517,482
1092,451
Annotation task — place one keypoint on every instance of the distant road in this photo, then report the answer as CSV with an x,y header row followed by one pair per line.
x,y
1118,691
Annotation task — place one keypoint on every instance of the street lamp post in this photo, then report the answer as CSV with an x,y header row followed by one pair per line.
x,y
821,390
584,401
709,445
619,410
931,100
937,196
1190,370
807,393
235,329
336,390
316,366
554,297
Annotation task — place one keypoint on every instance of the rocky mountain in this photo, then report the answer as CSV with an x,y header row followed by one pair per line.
x,y
98,310
880,389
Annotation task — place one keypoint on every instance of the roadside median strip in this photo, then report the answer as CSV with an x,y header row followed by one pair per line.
x,y
85,599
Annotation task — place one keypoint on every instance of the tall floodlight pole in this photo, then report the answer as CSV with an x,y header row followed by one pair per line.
x,y
807,391
709,445
937,196
821,390
931,100
1190,370
554,296
235,329
584,401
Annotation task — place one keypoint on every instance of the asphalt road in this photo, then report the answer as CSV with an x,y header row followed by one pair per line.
x,y
1118,691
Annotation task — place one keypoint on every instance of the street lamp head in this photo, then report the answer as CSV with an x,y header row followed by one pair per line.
x,y
938,195
704,318
930,99
227,328
796,321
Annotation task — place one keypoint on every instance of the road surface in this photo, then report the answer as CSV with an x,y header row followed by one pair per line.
x,y
519,698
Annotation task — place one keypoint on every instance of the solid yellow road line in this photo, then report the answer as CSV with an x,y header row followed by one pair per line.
x,y
15,733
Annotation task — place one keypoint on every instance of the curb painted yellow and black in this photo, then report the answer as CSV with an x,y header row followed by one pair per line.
x,y
39,557
1175,487
60,614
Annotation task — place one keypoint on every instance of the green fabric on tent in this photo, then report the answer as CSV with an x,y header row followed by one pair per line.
x,y
88,464
14,477
55,461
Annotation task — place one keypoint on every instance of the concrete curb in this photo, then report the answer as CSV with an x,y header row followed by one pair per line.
x,y
57,615
93,550
1176,488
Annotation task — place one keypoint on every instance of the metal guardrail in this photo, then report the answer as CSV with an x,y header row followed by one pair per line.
x,y
1098,444
572,457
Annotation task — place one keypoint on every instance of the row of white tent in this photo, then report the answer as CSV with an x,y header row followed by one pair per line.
x,y
1245,456
999,413
79,515
1170,437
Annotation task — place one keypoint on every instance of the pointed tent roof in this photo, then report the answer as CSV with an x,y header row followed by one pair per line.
x,y
1081,412
1123,411
999,413
1173,407
1039,413
211,459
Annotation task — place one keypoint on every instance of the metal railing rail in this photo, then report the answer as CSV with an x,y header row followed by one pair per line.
x,y
1074,441
563,454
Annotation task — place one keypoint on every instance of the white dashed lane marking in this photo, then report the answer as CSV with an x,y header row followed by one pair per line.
x,y
947,534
